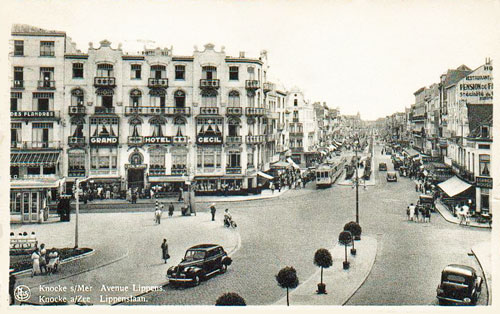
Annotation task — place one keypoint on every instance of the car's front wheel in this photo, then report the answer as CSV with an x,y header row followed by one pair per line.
x,y
196,280
223,268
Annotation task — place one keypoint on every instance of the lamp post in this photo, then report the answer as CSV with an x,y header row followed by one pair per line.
x,y
77,206
357,179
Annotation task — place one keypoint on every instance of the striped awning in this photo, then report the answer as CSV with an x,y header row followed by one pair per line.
x,y
34,159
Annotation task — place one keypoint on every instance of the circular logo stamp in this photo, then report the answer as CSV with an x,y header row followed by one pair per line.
x,y
22,293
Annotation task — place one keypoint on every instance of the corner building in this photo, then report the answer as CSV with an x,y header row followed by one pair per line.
x,y
156,118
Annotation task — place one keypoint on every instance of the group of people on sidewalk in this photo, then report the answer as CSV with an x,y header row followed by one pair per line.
x,y
418,213
43,262
159,211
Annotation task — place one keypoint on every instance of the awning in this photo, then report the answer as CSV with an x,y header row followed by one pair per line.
x,y
280,164
293,163
44,183
264,175
412,153
34,159
156,179
454,186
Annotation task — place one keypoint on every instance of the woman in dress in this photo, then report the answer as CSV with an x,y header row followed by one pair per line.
x,y
35,258
43,259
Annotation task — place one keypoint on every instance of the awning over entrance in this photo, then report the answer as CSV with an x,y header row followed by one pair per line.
x,y
44,183
291,162
412,153
34,159
454,186
166,179
264,175
280,164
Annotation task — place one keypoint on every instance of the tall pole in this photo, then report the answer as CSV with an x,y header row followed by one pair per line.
x,y
357,185
77,198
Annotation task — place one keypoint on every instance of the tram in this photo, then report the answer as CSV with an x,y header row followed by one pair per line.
x,y
328,173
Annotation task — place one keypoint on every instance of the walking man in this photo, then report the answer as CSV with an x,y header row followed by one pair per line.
x,y
164,250
158,215
181,196
212,211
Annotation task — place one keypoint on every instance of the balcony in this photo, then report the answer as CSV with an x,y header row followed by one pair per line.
x,y
46,84
180,139
135,140
267,86
463,173
252,84
255,139
35,115
104,110
234,139
178,170
209,110
209,83
146,111
76,141
36,145
104,81
155,83
234,111
77,110
272,137
280,126
295,120
255,112
157,171
76,173
233,170
17,84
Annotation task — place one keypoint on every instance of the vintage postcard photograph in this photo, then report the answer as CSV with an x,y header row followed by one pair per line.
x,y
249,153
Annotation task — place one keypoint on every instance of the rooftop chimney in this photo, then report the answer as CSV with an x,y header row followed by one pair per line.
x,y
242,54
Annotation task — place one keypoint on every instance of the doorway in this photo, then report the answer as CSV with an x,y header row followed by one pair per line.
x,y
135,178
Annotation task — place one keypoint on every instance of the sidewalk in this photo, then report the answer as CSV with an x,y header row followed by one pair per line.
x,y
482,252
131,264
340,284
448,216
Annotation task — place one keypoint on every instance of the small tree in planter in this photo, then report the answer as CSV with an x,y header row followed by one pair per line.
x,y
345,238
287,278
230,298
354,228
323,259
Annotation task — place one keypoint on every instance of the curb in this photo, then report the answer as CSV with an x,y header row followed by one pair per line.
x,y
456,223
64,261
488,298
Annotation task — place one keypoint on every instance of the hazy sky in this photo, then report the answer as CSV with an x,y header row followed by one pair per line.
x,y
366,56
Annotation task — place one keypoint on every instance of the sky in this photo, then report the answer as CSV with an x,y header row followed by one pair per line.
x,y
360,56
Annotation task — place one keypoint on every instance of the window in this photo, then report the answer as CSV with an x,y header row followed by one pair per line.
x,y
295,102
209,73
209,159
18,48
47,77
485,200
18,77
250,160
156,124
484,165
234,99
42,134
233,159
43,101
77,70
180,72
104,70
485,131
103,158
135,98
47,48
179,160
158,100
15,101
251,100
251,73
76,163
77,98
180,99
233,73
209,99
157,159
158,72
233,127
135,71
15,133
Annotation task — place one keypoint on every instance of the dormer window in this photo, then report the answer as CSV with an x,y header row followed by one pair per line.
x,y
485,131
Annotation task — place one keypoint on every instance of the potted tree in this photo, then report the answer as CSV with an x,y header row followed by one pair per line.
x,y
323,259
345,238
354,228
230,298
287,278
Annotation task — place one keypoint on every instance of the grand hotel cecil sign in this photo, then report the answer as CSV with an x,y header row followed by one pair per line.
x,y
484,182
103,140
32,114
157,140
208,139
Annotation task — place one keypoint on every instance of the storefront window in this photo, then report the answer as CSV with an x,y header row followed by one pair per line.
x,y
209,159
15,203
485,200
157,161
76,163
103,158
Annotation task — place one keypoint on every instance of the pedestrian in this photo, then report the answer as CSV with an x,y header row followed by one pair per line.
x,y
158,215
12,286
181,196
43,259
212,211
416,214
466,214
408,212
134,197
417,187
164,251
171,209
278,185
271,187
412,211
304,182
35,260
428,215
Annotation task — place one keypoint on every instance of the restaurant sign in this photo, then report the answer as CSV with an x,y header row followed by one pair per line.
x,y
103,140
209,139
157,140
32,114
484,182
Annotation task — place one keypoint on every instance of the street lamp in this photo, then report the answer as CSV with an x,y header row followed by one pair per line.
x,y
357,179
77,207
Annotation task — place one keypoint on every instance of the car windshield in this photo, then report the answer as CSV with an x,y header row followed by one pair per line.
x,y
193,255
455,278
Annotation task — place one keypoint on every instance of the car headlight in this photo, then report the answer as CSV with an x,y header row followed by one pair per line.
x,y
467,300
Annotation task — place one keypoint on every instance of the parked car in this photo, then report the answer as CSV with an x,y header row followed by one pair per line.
x,y
391,176
459,285
426,201
382,166
199,263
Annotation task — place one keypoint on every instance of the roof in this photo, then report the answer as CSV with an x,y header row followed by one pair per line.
x,y
33,30
462,269
34,158
204,246
453,76
478,115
